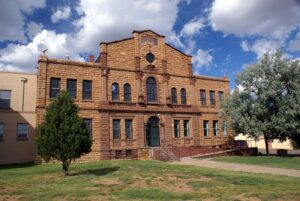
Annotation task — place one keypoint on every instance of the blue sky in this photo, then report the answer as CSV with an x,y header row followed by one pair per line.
x,y
223,36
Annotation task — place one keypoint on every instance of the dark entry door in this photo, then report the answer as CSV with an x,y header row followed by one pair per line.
x,y
152,132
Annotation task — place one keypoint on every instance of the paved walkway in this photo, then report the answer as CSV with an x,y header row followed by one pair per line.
x,y
238,167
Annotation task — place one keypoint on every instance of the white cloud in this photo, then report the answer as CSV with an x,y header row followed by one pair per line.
x,y
193,27
295,44
111,20
202,59
99,21
12,18
61,13
261,46
33,29
274,18
25,57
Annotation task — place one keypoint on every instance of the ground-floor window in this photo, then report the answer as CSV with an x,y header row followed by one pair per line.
x,y
176,129
129,153
116,129
1,131
206,128
128,128
22,130
186,125
89,126
216,130
224,128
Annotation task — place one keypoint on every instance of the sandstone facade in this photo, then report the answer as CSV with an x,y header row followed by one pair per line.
x,y
125,62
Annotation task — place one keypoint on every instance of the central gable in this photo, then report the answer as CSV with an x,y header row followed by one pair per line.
x,y
146,51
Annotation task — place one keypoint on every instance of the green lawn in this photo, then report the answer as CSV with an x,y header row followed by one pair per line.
x,y
141,180
271,161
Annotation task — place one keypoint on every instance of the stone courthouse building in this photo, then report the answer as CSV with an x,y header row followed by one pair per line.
x,y
138,95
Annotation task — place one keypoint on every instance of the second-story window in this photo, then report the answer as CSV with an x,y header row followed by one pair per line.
x,y
54,87
72,87
151,90
183,96
174,95
212,97
5,97
87,90
127,93
202,97
115,92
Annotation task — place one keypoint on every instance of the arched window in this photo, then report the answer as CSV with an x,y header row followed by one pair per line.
x,y
174,95
151,90
115,91
183,96
127,92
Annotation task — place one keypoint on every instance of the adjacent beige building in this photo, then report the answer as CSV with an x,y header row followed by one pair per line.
x,y
17,117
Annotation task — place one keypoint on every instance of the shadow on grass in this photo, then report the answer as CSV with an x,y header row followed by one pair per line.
x,y
98,172
13,166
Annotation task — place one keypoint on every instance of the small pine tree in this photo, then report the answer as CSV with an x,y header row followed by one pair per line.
x,y
63,134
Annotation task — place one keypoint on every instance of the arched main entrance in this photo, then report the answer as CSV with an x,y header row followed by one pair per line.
x,y
152,132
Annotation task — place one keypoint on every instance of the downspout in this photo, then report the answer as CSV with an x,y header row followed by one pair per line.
x,y
23,80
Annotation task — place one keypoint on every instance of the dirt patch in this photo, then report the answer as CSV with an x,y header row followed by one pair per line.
x,y
108,181
243,197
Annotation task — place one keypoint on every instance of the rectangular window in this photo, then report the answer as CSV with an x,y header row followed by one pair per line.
x,y
129,153
22,130
5,97
128,128
1,131
202,97
87,90
54,87
118,154
176,128
221,97
212,98
186,125
206,128
216,129
89,126
72,87
116,129
224,128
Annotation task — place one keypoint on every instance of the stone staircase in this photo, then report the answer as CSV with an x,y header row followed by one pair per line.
x,y
166,153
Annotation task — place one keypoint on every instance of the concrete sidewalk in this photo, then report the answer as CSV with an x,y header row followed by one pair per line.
x,y
238,167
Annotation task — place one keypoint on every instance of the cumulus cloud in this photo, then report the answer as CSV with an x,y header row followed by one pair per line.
x,y
295,44
12,18
274,18
261,46
98,21
33,29
202,59
61,13
193,27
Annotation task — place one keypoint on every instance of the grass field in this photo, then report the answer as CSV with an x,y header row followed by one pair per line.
x,y
141,180
271,161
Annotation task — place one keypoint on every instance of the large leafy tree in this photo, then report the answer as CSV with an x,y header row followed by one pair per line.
x,y
266,100
63,135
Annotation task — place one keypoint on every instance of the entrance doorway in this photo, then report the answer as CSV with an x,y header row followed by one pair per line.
x,y
152,132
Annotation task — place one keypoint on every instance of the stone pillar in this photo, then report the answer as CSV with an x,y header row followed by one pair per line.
x,y
104,74
193,91
104,136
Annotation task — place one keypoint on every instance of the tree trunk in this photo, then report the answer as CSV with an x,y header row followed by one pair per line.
x,y
266,143
65,166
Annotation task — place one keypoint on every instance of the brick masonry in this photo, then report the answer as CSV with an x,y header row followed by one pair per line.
x,y
124,62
